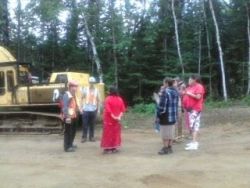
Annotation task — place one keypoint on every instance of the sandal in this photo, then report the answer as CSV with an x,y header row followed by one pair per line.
x,y
106,151
114,150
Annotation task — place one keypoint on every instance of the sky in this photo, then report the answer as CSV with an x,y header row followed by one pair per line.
x,y
63,16
13,5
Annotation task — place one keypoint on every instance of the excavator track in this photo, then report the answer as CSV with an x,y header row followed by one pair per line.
x,y
30,122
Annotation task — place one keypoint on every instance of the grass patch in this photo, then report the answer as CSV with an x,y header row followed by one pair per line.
x,y
244,102
137,119
142,108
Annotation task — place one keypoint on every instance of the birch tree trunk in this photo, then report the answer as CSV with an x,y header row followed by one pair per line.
x,y
93,46
248,34
208,48
18,30
199,58
114,46
177,39
220,51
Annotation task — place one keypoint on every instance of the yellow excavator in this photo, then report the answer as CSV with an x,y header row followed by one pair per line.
x,y
29,106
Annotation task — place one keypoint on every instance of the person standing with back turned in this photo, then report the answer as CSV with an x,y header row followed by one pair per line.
x,y
90,98
114,108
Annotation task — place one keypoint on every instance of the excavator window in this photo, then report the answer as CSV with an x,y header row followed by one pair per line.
x,y
2,83
61,78
23,78
10,80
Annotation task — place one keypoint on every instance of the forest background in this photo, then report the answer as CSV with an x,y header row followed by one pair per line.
x,y
134,43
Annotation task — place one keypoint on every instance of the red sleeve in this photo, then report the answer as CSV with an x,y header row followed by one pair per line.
x,y
199,89
107,105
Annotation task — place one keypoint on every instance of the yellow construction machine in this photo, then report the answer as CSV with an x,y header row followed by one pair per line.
x,y
29,106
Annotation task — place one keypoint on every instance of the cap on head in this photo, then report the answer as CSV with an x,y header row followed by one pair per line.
x,y
92,80
73,83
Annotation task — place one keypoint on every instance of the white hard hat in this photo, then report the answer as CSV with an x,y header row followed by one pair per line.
x,y
92,79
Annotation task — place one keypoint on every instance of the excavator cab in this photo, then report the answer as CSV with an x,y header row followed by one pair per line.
x,y
21,95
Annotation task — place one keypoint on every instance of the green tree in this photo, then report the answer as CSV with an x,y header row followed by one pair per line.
x,y
4,22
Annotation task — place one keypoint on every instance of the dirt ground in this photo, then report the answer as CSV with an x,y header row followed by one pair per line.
x,y
222,161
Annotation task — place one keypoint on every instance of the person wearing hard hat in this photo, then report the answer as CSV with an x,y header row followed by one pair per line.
x,y
90,96
69,111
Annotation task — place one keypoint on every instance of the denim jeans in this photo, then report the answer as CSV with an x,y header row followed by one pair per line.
x,y
88,124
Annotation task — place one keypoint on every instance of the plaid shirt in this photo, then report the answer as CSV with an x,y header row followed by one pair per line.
x,y
169,103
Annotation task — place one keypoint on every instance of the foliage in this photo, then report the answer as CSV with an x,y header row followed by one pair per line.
x,y
219,103
143,108
52,37
244,101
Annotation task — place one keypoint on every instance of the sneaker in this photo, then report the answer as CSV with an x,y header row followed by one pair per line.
x,y
170,150
163,151
106,151
70,150
83,140
91,139
191,143
114,150
192,146
74,146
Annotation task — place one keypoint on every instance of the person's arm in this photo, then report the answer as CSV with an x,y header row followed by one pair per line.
x,y
83,97
84,92
197,93
122,110
98,105
162,105
115,117
66,100
196,96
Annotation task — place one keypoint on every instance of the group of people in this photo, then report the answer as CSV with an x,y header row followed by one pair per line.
x,y
176,98
113,111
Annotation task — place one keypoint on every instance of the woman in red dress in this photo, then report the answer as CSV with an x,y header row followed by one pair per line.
x,y
113,111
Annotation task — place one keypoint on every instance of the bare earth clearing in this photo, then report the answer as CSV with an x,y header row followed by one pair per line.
x,y
223,160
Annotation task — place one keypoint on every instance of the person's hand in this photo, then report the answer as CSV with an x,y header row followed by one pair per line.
x,y
118,118
156,120
68,120
81,111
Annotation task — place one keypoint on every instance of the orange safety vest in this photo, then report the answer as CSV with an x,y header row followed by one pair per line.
x,y
91,96
72,108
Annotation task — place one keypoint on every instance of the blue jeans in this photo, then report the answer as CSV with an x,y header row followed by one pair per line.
x,y
88,124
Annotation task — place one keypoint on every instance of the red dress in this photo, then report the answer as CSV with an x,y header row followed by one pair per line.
x,y
111,136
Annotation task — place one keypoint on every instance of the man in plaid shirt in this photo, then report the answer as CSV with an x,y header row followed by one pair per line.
x,y
168,113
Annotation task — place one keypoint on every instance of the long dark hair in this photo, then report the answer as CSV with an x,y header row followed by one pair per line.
x,y
113,91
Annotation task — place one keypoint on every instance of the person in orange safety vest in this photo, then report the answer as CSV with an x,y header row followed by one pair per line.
x,y
69,112
90,98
